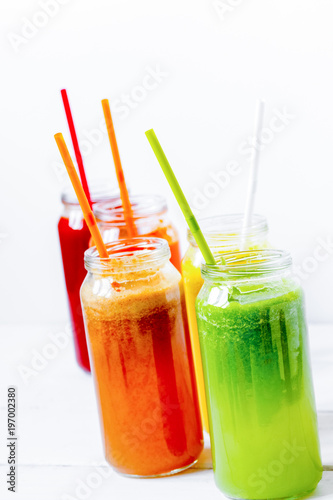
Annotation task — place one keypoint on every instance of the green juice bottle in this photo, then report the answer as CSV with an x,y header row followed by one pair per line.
x,y
260,399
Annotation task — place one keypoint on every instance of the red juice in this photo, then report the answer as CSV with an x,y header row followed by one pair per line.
x,y
74,242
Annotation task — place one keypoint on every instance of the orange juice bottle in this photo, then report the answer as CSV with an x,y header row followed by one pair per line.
x,y
150,218
140,351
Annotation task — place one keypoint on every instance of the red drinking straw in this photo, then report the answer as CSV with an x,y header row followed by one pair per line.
x,y
75,145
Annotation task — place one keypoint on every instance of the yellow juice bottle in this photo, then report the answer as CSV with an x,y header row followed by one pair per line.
x,y
223,234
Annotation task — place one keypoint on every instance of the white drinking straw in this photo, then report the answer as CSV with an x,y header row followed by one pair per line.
x,y
252,188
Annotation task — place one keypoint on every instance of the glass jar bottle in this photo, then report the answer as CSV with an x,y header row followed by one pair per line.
x,y
223,234
150,218
136,326
261,406
74,239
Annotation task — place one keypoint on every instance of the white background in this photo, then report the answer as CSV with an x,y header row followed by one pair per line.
x,y
215,66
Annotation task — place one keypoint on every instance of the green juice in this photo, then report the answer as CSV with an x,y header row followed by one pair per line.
x,y
261,405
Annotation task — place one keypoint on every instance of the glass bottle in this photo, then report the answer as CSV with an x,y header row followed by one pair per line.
x,y
74,239
150,217
136,326
255,355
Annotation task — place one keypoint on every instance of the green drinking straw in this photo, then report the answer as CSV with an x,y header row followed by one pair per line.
x,y
180,197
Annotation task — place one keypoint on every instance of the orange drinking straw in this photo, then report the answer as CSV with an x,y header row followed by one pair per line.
x,y
84,204
125,201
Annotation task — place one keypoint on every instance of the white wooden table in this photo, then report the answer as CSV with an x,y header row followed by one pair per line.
x,y
59,448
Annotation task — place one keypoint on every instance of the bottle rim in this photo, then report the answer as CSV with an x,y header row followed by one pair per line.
x,y
247,264
228,229
129,255
144,206
101,191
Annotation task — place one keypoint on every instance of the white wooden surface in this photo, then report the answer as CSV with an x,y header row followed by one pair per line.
x,y
59,449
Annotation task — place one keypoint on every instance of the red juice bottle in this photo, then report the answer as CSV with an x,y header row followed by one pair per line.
x,y
74,239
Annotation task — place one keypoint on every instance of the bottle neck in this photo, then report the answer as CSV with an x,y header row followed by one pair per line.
x,y
146,211
129,259
256,265
226,232
100,192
